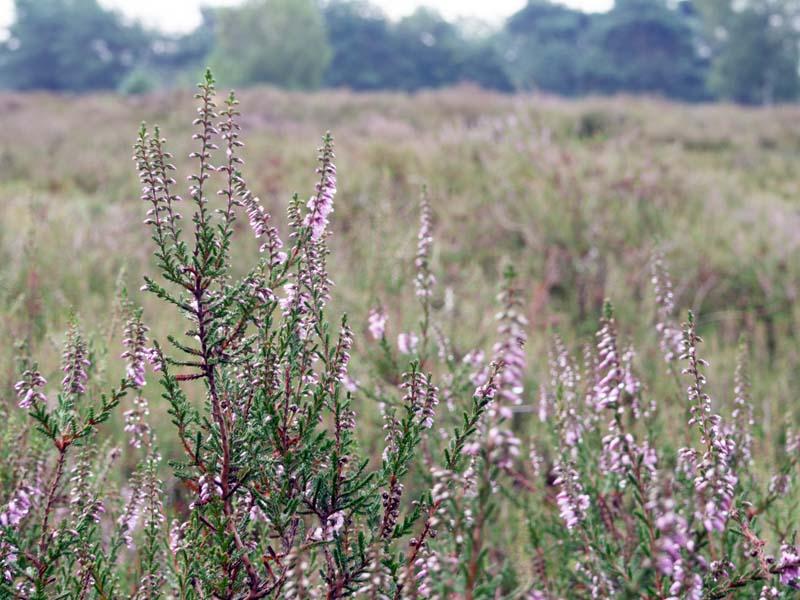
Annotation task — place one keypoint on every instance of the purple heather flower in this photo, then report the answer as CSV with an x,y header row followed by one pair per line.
x,y
135,342
424,279
320,206
503,447
487,389
426,563
715,480
129,518
668,331
28,388
350,384
259,220
475,359
18,506
779,485
421,396
742,415
687,584
154,358
769,593
377,323
333,526
136,423
675,537
789,566
792,443
407,343
565,379
342,359
75,362
571,499
177,536
609,381
510,348
8,557
429,405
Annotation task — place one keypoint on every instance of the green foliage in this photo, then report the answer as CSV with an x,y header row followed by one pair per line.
x,y
544,43
420,51
640,46
69,45
280,42
754,49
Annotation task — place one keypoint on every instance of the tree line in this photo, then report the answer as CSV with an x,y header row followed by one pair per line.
x,y
696,50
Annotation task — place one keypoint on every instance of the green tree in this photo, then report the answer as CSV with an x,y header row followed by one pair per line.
x,y
71,45
365,53
281,42
422,50
643,46
754,49
543,43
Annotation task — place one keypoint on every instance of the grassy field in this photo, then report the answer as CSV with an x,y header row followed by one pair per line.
x,y
576,195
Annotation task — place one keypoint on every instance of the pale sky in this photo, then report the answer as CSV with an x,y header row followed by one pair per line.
x,y
183,15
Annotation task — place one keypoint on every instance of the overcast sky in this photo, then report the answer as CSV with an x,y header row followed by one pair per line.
x,y
183,15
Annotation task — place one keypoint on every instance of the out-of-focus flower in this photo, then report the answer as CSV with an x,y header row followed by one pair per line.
x,y
668,331
424,280
407,343
377,323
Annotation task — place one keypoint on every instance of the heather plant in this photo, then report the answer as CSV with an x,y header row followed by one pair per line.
x,y
423,470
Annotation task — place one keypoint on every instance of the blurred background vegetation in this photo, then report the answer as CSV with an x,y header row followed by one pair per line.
x,y
695,50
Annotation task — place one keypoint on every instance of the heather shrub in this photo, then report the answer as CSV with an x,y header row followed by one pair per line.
x,y
429,474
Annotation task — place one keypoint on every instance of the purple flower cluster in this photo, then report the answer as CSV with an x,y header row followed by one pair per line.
x,y
135,342
75,362
609,384
342,357
668,331
571,499
509,350
19,506
259,220
421,396
503,446
674,536
407,343
424,279
715,479
742,415
376,322
320,206
136,423
333,524
788,566
563,395
28,388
